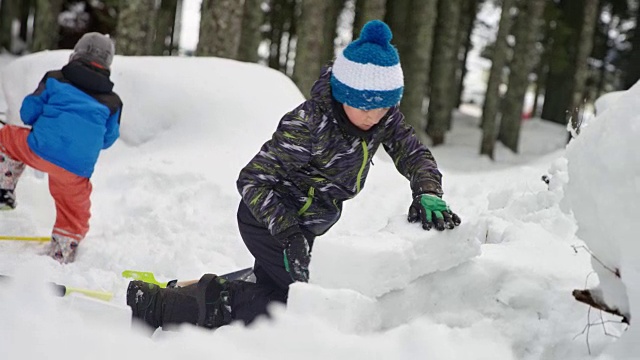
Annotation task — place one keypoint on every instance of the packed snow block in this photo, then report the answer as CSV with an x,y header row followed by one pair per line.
x,y
375,264
347,310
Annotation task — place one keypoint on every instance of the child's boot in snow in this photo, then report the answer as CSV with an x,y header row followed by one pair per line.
x,y
145,301
156,307
7,199
213,298
63,248
10,171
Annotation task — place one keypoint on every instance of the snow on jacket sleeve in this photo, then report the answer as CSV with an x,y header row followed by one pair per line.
x,y
113,129
288,149
412,158
33,105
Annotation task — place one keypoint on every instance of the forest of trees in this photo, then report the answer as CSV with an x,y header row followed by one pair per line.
x,y
566,52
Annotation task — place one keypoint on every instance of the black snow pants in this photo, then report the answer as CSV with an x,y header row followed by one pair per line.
x,y
248,300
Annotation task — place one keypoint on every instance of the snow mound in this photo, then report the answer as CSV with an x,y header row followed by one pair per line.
x,y
199,97
603,188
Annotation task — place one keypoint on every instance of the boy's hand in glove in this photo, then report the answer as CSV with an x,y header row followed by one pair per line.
x,y
432,212
297,257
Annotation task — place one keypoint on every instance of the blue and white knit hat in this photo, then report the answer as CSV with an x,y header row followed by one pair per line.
x,y
367,74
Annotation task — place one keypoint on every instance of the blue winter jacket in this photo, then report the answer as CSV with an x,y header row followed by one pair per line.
x,y
74,114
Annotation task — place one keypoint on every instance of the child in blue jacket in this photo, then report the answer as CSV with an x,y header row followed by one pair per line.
x,y
73,115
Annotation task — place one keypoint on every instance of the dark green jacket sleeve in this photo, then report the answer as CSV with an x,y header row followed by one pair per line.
x,y
288,149
412,158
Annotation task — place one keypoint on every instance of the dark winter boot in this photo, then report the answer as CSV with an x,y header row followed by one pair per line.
x,y
63,248
145,301
214,298
7,199
10,171
157,307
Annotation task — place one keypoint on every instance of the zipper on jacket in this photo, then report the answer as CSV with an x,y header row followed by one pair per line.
x,y
365,160
307,203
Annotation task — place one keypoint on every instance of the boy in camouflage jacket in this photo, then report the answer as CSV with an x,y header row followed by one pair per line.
x,y
293,189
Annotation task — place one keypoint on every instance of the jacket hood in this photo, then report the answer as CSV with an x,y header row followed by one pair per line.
x,y
88,78
321,89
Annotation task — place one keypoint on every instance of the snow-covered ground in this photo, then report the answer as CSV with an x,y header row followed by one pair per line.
x,y
164,200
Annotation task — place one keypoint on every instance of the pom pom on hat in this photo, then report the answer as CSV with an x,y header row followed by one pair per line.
x,y
376,32
367,74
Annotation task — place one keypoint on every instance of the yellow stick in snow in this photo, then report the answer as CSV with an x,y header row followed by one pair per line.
x,y
25,238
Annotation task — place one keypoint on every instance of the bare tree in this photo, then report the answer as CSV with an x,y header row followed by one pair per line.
x,y
526,32
416,60
27,8
330,28
136,27
444,61
558,91
632,71
367,10
165,28
395,16
492,95
46,28
281,31
584,49
220,28
250,37
309,44
8,13
467,20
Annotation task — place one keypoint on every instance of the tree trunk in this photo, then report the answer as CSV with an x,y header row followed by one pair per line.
x,y
492,95
527,29
309,45
46,28
25,11
276,25
367,10
8,13
250,37
467,20
443,66
542,68
220,28
559,91
165,25
330,29
396,15
280,16
136,27
632,73
416,60
584,50
292,25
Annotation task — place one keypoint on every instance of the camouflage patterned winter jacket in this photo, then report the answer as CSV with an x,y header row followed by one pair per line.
x,y
311,165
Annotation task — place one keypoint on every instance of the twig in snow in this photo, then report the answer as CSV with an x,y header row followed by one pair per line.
x,y
586,297
586,280
616,272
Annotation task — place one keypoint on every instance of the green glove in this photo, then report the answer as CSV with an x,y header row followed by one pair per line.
x,y
432,211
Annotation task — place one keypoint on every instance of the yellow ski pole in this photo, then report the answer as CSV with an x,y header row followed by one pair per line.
x,y
62,290
100,295
25,238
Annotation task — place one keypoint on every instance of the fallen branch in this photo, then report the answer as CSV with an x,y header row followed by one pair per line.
x,y
586,297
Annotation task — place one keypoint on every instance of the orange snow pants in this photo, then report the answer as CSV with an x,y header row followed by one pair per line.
x,y
70,192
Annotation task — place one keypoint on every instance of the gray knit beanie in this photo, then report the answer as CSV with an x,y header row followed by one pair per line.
x,y
94,47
